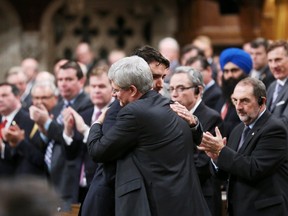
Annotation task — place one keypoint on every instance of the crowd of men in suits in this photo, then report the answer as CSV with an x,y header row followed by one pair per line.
x,y
108,141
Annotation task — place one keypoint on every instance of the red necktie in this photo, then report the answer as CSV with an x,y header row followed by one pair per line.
x,y
2,125
224,110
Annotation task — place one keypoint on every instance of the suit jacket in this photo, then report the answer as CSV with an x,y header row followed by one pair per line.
x,y
258,182
100,199
65,173
281,108
266,76
159,145
28,156
209,119
212,95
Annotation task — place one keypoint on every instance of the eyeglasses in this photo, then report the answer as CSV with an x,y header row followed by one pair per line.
x,y
179,89
232,70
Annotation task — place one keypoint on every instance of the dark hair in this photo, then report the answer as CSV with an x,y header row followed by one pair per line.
x,y
187,48
258,42
74,65
203,61
14,88
149,54
276,44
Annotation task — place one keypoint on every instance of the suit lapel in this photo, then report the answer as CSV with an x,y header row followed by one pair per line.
x,y
258,125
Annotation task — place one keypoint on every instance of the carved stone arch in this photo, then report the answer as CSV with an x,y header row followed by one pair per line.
x,y
46,31
10,30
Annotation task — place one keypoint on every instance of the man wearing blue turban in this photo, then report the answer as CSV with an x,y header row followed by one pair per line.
x,y
236,65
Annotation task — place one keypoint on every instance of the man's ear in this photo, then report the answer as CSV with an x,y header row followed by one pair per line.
x,y
134,90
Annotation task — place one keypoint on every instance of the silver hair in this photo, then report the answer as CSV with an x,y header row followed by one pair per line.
x,y
129,71
194,76
47,83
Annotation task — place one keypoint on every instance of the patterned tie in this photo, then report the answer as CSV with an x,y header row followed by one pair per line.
x,y
49,149
243,137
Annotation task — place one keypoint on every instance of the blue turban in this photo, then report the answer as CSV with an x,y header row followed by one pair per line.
x,y
238,57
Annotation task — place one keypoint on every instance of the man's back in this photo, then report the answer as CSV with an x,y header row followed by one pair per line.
x,y
159,146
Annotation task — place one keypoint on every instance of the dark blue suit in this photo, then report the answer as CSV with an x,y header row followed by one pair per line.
x,y
28,156
100,199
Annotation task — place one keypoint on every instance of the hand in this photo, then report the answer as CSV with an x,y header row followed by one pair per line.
x,y
212,145
68,121
184,113
39,114
102,116
14,135
81,127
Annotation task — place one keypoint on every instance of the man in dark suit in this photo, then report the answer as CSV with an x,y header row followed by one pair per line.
x,y
255,158
21,148
260,69
186,87
277,94
212,92
236,65
165,183
76,127
64,174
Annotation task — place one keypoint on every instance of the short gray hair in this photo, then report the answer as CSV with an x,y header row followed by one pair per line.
x,y
129,71
44,84
194,76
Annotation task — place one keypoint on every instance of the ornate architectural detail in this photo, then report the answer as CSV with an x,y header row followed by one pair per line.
x,y
120,32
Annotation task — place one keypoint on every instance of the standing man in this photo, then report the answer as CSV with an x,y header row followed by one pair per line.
x,y
166,185
64,174
277,94
21,149
260,69
255,158
76,129
186,87
236,65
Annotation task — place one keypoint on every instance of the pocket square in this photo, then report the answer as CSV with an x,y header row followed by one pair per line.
x,y
280,103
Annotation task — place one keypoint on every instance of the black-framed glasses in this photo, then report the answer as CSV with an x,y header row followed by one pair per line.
x,y
180,89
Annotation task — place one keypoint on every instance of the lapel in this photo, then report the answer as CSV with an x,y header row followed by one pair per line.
x,y
253,132
283,92
270,93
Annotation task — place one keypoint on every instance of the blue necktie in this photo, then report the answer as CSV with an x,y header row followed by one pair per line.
x,y
243,137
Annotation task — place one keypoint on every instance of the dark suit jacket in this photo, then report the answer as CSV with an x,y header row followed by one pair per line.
x,y
266,76
281,108
209,119
258,183
28,156
100,199
212,95
65,173
158,144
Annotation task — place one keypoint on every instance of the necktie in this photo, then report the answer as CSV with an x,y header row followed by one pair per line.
x,y
96,116
49,149
243,137
224,111
2,125
277,91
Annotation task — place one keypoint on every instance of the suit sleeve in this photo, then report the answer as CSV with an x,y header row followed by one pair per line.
x,y
269,152
118,141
